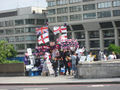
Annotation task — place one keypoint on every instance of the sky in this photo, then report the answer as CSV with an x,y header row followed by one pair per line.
x,y
13,4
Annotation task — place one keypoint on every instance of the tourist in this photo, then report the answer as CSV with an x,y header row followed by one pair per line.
x,y
55,66
67,64
73,59
112,56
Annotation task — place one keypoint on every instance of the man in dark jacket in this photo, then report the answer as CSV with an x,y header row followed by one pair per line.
x,y
55,66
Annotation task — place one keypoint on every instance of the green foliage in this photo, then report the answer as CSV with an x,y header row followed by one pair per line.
x,y
6,51
13,61
114,48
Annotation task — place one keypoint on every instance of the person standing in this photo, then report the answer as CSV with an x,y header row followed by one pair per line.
x,y
55,66
67,65
77,59
112,56
73,59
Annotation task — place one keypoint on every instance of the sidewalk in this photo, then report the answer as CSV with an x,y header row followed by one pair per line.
x,y
51,80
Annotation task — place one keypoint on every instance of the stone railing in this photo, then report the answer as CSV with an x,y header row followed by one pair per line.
x,y
98,69
14,69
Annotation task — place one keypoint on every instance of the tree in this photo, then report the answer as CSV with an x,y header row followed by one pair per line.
x,y
6,51
114,48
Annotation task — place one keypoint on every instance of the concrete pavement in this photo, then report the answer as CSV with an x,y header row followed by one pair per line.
x,y
51,80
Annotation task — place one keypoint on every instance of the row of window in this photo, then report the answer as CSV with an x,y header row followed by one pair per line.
x,y
19,38
100,5
22,22
22,46
63,2
85,16
85,8
95,34
17,31
96,43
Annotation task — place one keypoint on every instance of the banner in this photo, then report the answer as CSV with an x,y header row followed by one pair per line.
x,y
59,29
42,30
44,38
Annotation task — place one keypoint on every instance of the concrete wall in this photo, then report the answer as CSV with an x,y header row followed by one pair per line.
x,y
99,69
14,69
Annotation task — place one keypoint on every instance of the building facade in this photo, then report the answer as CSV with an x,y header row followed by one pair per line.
x,y
18,27
94,23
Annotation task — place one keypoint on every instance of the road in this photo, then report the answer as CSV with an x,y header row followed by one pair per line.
x,y
62,87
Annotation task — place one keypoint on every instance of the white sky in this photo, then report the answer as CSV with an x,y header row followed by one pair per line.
x,y
13,4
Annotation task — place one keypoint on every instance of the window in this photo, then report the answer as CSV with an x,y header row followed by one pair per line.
x,y
75,1
32,45
108,42
117,23
19,38
108,33
62,10
119,32
89,16
62,18
88,0
51,19
30,38
81,44
9,31
75,17
19,22
93,34
40,21
105,5
94,44
30,29
77,27
106,25
11,39
2,38
20,46
89,7
51,12
1,24
9,23
79,35
75,8
61,2
19,30
116,3
116,12
30,21
104,14
2,32
8,14
51,3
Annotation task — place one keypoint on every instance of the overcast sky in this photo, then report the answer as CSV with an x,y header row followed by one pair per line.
x,y
13,4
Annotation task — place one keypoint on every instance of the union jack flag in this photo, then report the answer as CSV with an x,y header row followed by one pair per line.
x,y
42,30
59,29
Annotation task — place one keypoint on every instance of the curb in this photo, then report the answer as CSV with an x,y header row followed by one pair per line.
x,y
65,83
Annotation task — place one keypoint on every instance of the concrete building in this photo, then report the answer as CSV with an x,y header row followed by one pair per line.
x,y
94,23
18,27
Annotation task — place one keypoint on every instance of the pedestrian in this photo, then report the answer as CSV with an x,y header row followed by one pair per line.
x,y
55,66
77,59
61,64
67,65
73,59
112,56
